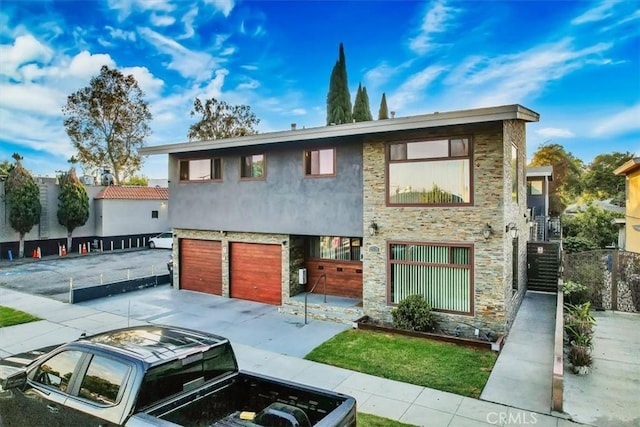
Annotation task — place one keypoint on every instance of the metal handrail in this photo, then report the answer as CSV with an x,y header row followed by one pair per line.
x,y
322,276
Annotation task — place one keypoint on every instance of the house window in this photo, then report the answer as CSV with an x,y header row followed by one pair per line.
x,y
433,172
534,188
320,162
514,173
154,214
442,274
253,166
334,247
201,169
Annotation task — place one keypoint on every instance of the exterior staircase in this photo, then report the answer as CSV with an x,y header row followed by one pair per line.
x,y
336,309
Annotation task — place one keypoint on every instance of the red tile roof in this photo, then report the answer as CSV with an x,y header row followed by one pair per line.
x,y
134,193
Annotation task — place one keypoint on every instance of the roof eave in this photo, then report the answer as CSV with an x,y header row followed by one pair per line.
x,y
461,117
628,166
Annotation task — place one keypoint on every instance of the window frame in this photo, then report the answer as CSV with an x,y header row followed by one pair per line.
x,y
263,177
515,173
155,214
449,138
352,239
212,164
319,175
449,245
530,186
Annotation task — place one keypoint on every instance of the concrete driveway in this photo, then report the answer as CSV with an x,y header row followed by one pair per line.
x,y
51,276
610,395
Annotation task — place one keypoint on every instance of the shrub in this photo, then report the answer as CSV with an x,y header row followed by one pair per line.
x,y
413,313
575,293
580,356
576,244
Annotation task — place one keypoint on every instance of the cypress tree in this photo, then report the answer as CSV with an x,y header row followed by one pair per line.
x,y
23,197
339,98
383,112
361,110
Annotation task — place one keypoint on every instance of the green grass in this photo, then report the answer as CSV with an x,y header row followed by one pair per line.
x,y
439,365
10,317
368,420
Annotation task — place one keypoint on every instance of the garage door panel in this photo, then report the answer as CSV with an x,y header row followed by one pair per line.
x,y
201,266
256,272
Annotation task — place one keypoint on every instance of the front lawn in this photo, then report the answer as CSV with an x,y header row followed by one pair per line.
x,y
368,420
10,317
438,365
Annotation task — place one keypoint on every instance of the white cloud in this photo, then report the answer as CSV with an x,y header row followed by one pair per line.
x,y
598,13
224,6
161,20
413,89
45,134
118,33
31,98
150,85
86,65
436,20
381,74
298,111
187,21
624,121
25,49
126,7
189,64
250,84
555,133
249,67
506,79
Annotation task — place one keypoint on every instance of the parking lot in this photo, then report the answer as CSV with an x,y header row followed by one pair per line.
x,y
51,277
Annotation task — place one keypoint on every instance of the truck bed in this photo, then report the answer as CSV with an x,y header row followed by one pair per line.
x,y
220,404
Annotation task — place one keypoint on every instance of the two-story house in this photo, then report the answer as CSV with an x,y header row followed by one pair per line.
x,y
432,204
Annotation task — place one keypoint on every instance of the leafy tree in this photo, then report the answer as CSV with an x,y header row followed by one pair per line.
x,y
599,180
339,98
73,203
594,225
5,168
567,171
221,120
23,197
107,122
361,110
383,112
137,180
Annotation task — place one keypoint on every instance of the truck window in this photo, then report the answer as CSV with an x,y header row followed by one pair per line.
x,y
103,380
57,371
185,374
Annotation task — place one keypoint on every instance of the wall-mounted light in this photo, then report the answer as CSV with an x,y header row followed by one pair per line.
x,y
512,229
486,231
373,228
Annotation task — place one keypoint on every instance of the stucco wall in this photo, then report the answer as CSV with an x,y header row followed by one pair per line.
x,y
285,202
49,228
492,205
119,217
632,236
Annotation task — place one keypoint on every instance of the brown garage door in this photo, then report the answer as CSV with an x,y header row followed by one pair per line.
x,y
201,266
256,272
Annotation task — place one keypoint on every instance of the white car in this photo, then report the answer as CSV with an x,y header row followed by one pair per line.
x,y
162,240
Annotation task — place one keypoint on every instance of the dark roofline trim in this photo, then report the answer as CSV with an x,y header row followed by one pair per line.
x,y
461,117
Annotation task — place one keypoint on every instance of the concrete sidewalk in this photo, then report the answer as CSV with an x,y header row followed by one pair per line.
x,y
522,374
257,352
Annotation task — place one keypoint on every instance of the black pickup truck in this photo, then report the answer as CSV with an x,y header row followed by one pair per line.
x,y
156,376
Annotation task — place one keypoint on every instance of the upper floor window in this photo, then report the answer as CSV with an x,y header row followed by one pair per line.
x,y
434,172
320,162
253,166
534,188
201,169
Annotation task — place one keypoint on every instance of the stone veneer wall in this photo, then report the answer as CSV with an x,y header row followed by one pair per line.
x,y
515,133
492,261
296,262
229,237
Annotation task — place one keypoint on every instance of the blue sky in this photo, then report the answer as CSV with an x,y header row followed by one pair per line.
x,y
577,63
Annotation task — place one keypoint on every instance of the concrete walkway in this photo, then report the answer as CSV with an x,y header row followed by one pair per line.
x,y
521,377
265,342
610,395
